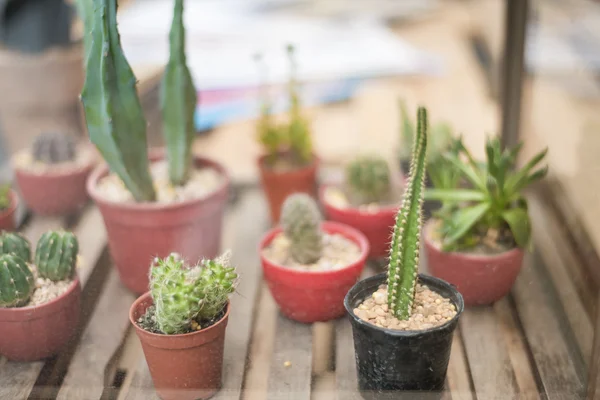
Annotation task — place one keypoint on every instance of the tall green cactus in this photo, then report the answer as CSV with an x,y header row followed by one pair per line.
x,y
56,255
114,116
14,243
404,249
16,281
178,103
301,222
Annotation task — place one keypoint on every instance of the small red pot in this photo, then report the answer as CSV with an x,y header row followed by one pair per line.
x,y
377,226
7,217
311,296
54,192
35,333
481,279
138,232
183,367
279,185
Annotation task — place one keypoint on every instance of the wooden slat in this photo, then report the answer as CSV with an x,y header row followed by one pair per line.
x,y
593,389
458,384
345,364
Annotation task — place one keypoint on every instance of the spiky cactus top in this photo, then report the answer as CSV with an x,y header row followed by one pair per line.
x,y
56,255
404,248
368,179
14,243
53,148
182,295
16,281
301,222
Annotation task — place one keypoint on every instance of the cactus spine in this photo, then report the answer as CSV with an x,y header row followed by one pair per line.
x,y
368,179
56,255
178,102
16,281
14,243
182,295
53,148
404,249
301,222
114,117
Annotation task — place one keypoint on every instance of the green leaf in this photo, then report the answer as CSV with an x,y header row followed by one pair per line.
x,y
456,195
468,172
515,182
518,221
463,220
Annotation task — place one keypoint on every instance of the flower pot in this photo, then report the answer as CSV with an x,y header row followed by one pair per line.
x,y
388,360
138,232
311,296
37,332
183,367
481,279
7,217
377,225
279,185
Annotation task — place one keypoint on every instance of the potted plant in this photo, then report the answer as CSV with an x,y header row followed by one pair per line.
x,y
289,164
181,324
308,264
403,328
52,174
477,242
8,207
39,300
154,204
367,201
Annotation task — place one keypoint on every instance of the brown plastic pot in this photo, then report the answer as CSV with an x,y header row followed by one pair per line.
x,y
138,232
481,279
183,367
35,333
7,217
279,185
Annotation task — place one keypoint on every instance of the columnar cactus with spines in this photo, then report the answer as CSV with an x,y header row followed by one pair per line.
x,y
301,222
178,102
368,179
16,281
14,243
182,295
404,249
56,255
53,148
113,113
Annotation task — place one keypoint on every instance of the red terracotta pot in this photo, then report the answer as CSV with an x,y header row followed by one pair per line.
x,y
311,296
377,226
54,192
481,279
7,217
183,367
138,232
279,185
35,333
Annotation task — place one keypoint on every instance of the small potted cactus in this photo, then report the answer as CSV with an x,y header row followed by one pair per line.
x,y
289,164
181,324
403,323
158,203
367,201
309,264
39,298
52,173
476,240
8,207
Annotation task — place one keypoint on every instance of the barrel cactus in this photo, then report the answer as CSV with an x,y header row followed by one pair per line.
x,y
368,179
301,222
14,243
53,148
16,281
56,255
183,295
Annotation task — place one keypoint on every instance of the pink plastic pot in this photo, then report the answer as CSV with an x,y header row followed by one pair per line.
x,y
481,279
138,232
35,333
376,226
7,217
310,296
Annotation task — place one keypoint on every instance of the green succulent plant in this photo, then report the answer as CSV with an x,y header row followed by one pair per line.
x,y
494,199
404,248
4,197
368,179
53,148
301,223
56,255
16,244
16,281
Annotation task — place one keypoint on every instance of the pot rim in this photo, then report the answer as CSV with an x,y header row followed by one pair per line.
x,y
163,336
407,333
347,231
156,154
391,209
313,164
75,169
467,256
14,202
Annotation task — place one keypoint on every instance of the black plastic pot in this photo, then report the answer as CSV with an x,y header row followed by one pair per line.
x,y
401,364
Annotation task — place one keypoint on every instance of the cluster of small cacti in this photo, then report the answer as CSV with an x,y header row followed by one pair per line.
x,y
53,148
4,197
55,259
368,179
404,248
184,295
301,223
